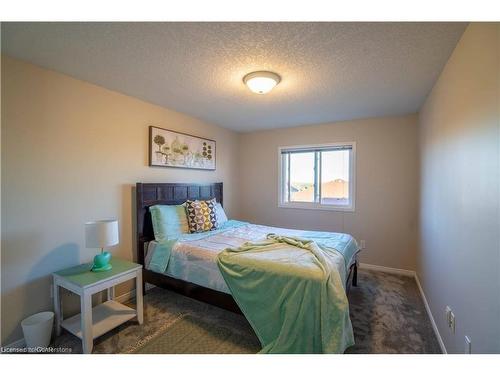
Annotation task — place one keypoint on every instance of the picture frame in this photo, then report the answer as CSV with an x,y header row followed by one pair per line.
x,y
172,149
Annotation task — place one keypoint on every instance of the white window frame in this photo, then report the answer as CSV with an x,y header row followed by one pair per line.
x,y
317,205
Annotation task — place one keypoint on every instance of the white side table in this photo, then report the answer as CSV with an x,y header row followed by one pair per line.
x,y
94,322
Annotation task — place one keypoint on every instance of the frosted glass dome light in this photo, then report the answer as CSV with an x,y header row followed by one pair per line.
x,y
261,82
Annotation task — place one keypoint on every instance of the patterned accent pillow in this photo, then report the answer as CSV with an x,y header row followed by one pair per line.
x,y
201,215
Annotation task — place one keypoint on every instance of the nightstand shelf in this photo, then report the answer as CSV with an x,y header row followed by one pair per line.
x,y
105,317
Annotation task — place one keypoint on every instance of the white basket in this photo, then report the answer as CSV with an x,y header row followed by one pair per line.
x,y
37,329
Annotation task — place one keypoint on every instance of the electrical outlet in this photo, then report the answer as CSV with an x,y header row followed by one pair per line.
x,y
362,244
447,315
468,348
452,322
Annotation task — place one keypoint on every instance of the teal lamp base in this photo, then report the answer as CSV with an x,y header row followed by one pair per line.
x,y
101,262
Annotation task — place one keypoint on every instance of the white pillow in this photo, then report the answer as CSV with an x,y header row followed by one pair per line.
x,y
221,215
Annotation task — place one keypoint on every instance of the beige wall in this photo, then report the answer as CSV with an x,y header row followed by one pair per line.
x,y
386,185
459,257
71,152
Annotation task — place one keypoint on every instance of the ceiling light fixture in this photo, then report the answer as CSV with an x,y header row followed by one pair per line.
x,y
261,82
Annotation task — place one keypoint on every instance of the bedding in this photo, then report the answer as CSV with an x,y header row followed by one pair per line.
x,y
291,291
195,257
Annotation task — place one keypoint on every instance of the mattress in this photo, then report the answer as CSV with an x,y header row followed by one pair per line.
x,y
194,257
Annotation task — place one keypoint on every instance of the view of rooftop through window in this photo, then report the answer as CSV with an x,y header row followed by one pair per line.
x,y
334,175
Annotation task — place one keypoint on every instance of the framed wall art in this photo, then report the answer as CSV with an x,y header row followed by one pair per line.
x,y
168,148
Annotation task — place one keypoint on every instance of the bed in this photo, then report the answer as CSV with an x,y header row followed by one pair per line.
x,y
193,270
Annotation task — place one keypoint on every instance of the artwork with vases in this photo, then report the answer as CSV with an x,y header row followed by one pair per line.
x,y
168,148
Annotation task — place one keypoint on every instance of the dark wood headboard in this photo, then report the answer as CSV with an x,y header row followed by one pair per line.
x,y
149,194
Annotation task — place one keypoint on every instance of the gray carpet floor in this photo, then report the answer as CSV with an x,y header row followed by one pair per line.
x,y
387,314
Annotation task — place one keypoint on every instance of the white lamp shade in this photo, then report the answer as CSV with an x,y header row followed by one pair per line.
x,y
101,233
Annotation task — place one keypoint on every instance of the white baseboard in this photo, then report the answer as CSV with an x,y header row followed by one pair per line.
x,y
397,271
131,294
125,296
431,317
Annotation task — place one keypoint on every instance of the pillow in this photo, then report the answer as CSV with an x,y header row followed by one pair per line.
x,y
201,215
168,221
221,215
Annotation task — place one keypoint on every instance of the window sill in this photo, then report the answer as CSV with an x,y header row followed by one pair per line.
x,y
307,206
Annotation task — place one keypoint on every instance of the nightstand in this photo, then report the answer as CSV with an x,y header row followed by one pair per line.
x,y
94,322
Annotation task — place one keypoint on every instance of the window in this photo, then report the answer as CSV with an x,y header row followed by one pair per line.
x,y
317,177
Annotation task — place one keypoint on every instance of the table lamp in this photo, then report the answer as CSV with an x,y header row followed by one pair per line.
x,y
101,234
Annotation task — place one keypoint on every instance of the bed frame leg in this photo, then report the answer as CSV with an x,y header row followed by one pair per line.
x,y
355,275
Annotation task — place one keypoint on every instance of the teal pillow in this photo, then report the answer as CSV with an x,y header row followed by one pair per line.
x,y
221,214
168,221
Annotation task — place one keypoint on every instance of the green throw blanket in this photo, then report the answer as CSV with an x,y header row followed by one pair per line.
x,y
291,290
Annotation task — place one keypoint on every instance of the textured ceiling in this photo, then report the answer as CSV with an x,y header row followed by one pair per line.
x,y
330,71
